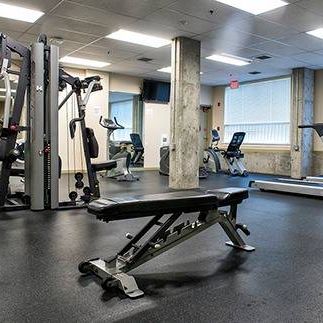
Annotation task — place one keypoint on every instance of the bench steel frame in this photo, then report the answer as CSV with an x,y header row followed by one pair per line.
x,y
113,272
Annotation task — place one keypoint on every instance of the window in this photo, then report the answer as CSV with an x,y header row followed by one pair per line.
x,y
122,111
260,109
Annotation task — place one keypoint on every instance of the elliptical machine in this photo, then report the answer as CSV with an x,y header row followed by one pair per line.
x,y
122,172
164,164
232,155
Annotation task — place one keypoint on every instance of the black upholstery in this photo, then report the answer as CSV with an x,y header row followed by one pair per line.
x,y
104,166
137,158
233,149
230,195
92,143
165,203
17,172
136,141
215,136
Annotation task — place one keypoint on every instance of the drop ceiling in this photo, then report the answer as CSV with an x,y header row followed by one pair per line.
x,y
83,24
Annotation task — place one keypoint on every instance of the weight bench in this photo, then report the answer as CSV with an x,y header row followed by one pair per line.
x,y
142,248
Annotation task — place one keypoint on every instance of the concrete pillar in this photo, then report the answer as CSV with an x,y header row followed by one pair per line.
x,y
185,101
302,113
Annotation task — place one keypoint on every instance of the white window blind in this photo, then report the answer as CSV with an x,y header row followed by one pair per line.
x,y
260,109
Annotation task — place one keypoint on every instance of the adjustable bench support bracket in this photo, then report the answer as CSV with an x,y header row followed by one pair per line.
x,y
113,272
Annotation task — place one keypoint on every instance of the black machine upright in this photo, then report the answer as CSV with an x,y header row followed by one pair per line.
x,y
37,77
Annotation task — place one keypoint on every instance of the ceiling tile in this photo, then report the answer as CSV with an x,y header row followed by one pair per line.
x,y
42,5
92,15
112,44
263,28
13,25
160,56
53,25
310,59
295,17
223,38
281,63
304,41
315,6
166,17
111,55
278,48
222,14
156,29
132,8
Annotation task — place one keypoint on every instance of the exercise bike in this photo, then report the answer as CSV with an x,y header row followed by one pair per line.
x,y
122,157
232,156
137,159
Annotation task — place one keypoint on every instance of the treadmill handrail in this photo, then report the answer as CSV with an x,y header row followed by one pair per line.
x,y
318,127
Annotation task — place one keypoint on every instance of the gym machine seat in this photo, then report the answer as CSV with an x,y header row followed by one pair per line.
x,y
165,209
104,166
139,150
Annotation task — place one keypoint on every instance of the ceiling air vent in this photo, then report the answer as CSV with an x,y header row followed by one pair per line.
x,y
145,59
254,73
263,57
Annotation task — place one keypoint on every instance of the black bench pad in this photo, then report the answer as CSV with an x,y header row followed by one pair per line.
x,y
17,172
104,166
165,203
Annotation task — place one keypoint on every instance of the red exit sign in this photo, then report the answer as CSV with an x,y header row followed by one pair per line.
x,y
234,85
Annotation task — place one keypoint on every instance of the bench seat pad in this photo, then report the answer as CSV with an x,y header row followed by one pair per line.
x,y
128,207
108,165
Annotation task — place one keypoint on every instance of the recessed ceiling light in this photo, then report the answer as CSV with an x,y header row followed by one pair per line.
x,y
229,59
138,38
255,7
316,33
83,62
168,70
19,13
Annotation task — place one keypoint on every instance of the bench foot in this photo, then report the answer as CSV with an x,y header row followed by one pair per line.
x,y
242,247
111,276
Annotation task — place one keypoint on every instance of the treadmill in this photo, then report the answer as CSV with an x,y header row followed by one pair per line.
x,y
310,186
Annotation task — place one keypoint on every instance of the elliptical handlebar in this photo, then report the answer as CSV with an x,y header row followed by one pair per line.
x,y
110,124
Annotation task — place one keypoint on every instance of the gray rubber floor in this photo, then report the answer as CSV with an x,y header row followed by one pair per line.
x,y
201,280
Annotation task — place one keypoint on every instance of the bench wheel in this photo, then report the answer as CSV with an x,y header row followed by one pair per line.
x,y
245,174
106,284
84,267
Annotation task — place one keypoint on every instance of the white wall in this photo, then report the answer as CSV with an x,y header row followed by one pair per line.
x,y
125,83
156,125
206,97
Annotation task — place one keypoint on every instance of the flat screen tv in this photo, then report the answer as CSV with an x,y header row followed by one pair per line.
x,y
155,91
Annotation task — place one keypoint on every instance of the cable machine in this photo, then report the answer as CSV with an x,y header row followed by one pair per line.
x,y
38,74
